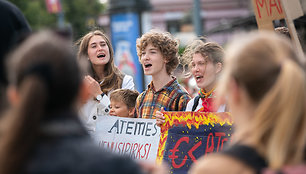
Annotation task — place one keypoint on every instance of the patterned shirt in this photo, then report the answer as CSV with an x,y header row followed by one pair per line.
x,y
172,97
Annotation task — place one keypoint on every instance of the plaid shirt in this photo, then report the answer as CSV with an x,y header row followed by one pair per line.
x,y
172,97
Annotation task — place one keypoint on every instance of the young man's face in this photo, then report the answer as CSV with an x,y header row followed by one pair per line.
x,y
152,61
120,109
204,71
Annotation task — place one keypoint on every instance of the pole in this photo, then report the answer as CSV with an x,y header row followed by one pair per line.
x,y
60,17
197,21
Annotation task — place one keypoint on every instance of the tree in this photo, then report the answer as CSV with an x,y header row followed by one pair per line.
x,y
78,14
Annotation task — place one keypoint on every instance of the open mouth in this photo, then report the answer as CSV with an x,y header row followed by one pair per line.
x,y
198,78
101,55
147,65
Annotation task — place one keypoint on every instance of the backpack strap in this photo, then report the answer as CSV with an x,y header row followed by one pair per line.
x,y
195,103
246,155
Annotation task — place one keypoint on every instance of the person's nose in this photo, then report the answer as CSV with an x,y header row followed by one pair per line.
x,y
145,56
99,47
196,68
112,112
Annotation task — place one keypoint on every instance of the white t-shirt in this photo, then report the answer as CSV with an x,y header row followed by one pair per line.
x,y
92,109
191,102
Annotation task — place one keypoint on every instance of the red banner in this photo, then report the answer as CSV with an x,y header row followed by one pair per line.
x,y
54,6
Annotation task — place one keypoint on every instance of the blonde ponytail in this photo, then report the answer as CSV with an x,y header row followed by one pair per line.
x,y
280,119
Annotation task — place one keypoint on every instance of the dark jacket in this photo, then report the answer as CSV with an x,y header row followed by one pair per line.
x,y
66,148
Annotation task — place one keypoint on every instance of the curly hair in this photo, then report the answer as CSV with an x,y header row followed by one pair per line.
x,y
113,77
165,42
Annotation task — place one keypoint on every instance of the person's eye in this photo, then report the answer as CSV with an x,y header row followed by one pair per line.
x,y
202,63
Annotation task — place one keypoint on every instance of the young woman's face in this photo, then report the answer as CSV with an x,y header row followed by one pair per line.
x,y
204,71
152,61
98,51
118,108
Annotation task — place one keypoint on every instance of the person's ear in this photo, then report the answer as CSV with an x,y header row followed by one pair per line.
x,y
131,112
165,60
84,92
12,95
218,67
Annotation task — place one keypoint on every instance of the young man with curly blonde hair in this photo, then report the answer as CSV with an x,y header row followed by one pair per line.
x,y
157,52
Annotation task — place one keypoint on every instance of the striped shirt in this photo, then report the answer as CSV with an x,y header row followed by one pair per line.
x,y
173,97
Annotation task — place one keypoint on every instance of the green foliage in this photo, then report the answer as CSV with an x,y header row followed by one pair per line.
x,y
79,14
82,14
181,50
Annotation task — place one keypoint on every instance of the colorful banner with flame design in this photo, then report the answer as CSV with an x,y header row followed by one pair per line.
x,y
185,136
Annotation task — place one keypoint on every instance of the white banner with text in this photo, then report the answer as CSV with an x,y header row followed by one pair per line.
x,y
135,137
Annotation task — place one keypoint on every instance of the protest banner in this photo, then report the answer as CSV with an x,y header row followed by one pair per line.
x,y
186,136
266,11
134,137
293,10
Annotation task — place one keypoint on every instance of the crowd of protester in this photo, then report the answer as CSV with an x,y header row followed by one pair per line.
x,y
52,95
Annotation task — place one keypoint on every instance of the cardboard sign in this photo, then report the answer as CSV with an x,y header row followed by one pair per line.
x,y
186,136
134,137
293,10
266,11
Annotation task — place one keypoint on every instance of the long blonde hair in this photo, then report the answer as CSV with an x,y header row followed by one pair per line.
x,y
113,77
267,67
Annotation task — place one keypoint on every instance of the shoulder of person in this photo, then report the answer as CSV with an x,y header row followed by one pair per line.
x,y
128,82
112,161
190,104
288,169
219,164
98,160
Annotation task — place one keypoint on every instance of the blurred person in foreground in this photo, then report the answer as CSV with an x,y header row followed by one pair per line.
x,y
13,27
42,132
264,85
